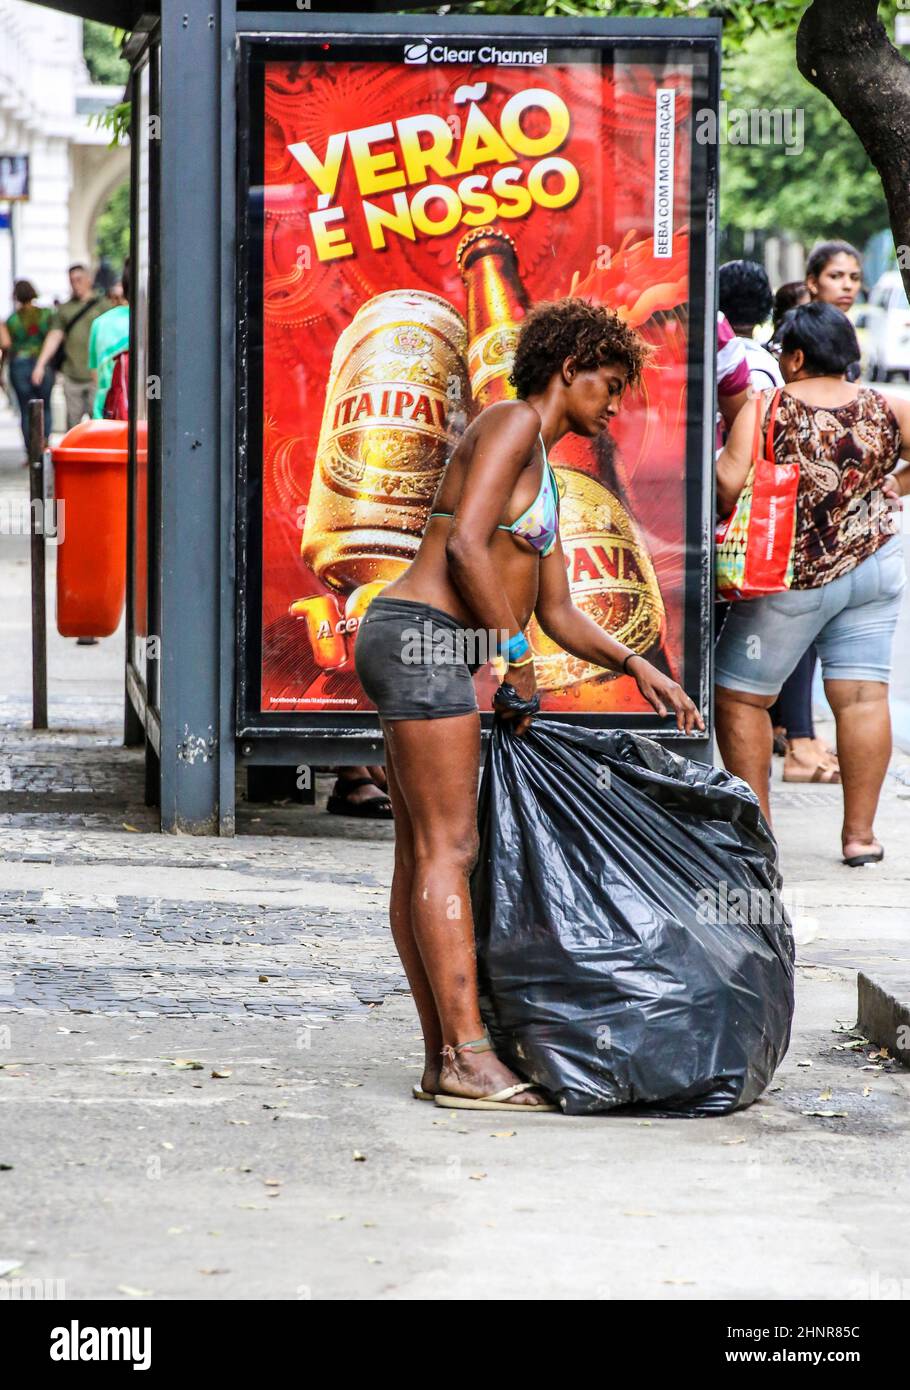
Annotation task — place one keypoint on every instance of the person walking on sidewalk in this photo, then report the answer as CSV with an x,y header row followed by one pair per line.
x,y
71,327
744,295
490,557
848,567
21,340
109,357
834,275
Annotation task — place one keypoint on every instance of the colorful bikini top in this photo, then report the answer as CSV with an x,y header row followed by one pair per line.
x,y
539,523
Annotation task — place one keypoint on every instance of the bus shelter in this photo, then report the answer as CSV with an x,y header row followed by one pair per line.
x,y
339,218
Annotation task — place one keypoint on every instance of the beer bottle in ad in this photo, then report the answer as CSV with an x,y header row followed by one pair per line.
x,y
394,405
496,304
610,572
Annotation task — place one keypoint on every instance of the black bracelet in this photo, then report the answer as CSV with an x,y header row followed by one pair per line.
x,y
625,665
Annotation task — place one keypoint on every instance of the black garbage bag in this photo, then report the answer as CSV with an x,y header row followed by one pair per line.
x,y
632,945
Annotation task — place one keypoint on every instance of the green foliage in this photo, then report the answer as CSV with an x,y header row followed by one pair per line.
x,y
112,230
829,189
101,49
742,18
116,119
763,189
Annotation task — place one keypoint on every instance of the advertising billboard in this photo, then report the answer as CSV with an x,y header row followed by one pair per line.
x,y
406,201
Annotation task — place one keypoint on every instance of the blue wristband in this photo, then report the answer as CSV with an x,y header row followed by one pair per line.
x,y
517,647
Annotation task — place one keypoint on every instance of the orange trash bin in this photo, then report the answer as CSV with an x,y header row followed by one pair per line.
x,y
90,481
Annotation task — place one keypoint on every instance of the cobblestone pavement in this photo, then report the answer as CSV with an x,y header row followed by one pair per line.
x,y
123,922
95,957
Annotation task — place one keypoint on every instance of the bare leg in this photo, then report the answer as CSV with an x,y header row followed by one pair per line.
x,y
745,739
403,931
435,765
864,748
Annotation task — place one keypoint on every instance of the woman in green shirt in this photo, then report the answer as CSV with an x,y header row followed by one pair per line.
x,y
21,340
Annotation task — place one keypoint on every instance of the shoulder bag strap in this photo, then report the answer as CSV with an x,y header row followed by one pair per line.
x,y
90,304
772,415
756,437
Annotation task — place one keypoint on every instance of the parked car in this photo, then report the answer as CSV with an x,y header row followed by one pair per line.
x,y
883,328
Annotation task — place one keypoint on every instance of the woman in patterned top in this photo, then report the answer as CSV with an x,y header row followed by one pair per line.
x,y
834,275
848,567
21,340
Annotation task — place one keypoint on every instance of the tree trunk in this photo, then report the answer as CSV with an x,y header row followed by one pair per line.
x,y
844,51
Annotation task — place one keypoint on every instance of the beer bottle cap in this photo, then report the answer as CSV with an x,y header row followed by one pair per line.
x,y
481,233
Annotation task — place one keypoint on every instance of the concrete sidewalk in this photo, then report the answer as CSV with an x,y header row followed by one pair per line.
x,y
207,1049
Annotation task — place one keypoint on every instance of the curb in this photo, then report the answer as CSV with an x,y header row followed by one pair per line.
x,y
883,1014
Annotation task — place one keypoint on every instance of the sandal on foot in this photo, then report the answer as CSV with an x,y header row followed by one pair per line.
x,y
822,772
374,808
420,1094
856,861
499,1100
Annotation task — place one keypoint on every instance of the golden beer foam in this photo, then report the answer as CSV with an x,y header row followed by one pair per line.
x,y
611,578
396,397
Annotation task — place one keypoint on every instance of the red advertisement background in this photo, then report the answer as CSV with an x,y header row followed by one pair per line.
x,y
600,246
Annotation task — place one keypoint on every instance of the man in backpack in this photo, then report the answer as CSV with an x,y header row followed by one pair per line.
x,y
68,339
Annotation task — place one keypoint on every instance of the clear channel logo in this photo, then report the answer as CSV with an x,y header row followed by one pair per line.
x,y
426,51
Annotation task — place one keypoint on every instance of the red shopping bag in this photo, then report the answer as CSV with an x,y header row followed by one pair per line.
x,y
754,553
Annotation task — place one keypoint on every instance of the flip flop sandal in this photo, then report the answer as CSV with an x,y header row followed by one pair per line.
x,y
856,861
499,1100
420,1094
374,808
827,774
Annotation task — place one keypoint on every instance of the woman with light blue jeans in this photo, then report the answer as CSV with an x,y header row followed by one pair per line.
x,y
848,574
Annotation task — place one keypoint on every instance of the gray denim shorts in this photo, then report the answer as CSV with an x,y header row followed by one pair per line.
x,y
415,661
851,620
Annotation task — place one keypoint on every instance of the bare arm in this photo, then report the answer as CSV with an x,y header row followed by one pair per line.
x,y
573,630
577,633
731,407
735,460
48,348
901,476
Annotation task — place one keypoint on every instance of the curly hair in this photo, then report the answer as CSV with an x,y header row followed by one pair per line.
x,y
571,327
744,292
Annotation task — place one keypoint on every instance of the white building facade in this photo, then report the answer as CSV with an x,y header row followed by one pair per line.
x,y
46,102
